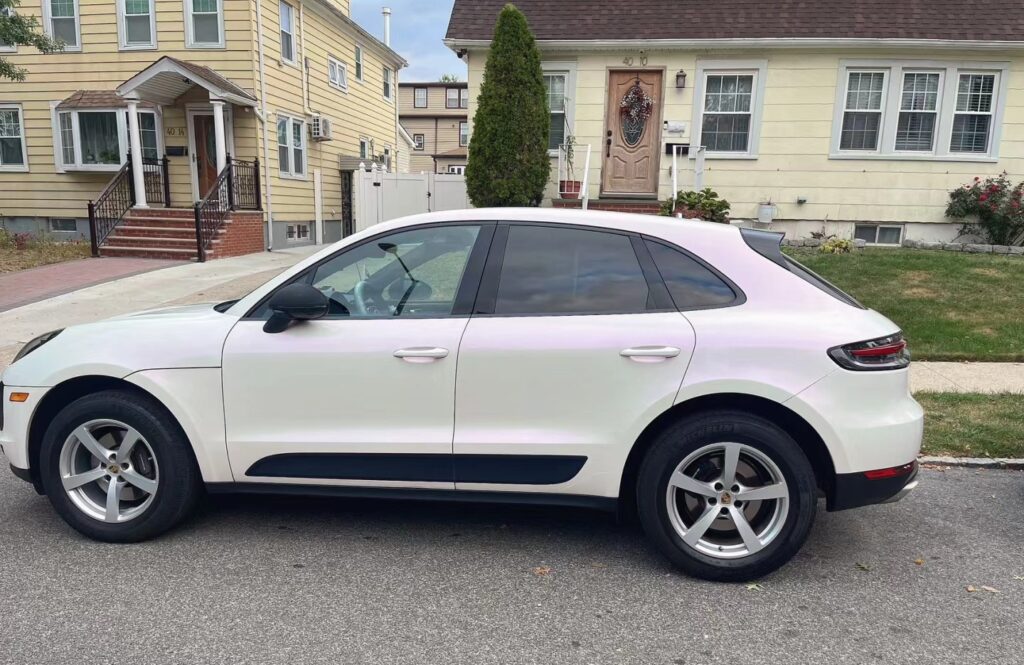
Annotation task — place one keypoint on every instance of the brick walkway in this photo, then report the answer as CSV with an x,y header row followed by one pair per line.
x,y
35,284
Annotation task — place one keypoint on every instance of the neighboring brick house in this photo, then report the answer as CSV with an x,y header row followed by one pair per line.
x,y
435,115
856,115
296,86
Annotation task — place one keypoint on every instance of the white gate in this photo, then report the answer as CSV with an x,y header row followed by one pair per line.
x,y
379,196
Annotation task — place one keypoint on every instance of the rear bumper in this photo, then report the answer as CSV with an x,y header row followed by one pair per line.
x,y
853,490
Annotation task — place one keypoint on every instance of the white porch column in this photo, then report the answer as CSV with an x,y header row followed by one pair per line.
x,y
135,139
218,133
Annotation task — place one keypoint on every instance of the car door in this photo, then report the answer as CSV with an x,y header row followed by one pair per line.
x,y
574,347
364,396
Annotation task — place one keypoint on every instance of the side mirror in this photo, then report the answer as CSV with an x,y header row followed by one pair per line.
x,y
295,302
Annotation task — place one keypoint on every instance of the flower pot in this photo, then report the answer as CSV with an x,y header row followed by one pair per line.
x,y
765,213
569,189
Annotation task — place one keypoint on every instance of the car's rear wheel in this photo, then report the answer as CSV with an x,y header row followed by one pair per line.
x,y
726,496
116,467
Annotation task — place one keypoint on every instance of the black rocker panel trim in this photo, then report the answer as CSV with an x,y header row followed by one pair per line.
x,y
506,469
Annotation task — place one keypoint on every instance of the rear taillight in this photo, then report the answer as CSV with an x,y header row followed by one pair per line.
x,y
891,472
875,354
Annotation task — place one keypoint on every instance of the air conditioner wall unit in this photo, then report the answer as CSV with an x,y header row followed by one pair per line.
x,y
320,128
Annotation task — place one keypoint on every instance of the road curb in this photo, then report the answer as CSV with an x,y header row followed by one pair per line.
x,y
1015,464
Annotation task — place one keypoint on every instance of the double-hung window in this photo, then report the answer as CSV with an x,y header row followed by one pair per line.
x,y
419,98
388,83
918,110
364,148
463,133
555,84
337,73
418,141
291,146
287,32
13,156
7,47
97,139
62,22
359,63
205,23
728,98
136,24
451,98
464,98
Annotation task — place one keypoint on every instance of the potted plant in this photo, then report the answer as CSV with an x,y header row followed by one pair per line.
x,y
569,188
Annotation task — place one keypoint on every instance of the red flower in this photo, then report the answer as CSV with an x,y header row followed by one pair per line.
x,y
983,198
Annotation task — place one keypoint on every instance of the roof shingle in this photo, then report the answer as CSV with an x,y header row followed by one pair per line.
x,y
978,20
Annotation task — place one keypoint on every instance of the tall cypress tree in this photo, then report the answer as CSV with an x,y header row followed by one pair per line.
x,y
508,154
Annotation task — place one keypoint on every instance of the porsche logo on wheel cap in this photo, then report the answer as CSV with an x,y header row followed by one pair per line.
x,y
726,498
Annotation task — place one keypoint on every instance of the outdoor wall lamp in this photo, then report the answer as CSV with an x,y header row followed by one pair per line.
x,y
680,79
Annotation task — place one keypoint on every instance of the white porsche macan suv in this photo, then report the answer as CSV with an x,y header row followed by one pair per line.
x,y
687,371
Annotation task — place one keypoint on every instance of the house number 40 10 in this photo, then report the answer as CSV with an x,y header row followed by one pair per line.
x,y
628,61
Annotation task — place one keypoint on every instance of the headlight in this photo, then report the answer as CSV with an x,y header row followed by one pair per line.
x,y
35,344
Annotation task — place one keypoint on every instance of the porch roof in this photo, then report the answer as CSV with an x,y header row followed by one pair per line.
x,y
96,99
168,78
456,152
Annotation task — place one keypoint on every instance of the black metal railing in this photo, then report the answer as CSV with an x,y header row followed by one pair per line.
x,y
110,206
118,197
348,226
237,187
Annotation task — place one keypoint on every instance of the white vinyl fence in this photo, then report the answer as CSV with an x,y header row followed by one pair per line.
x,y
379,196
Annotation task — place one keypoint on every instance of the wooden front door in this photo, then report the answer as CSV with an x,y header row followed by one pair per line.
x,y
632,150
205,158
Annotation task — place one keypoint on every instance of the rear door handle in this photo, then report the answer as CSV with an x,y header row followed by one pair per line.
x,y
421,354
650,352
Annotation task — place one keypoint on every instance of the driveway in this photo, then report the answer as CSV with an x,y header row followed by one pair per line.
x,y
285,580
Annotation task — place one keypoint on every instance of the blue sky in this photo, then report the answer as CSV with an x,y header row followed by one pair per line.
x,y
417,28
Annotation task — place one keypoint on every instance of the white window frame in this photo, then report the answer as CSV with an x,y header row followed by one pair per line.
x,y
387,84
464,98
456,169
290,173
419,142
51,220
48,26
949,79
877,228
122,138
365,150
759,70
447,95
189,43
8,48
341,80
122,28
282,32
568,68
388,157
359,67
298,237
463,133
17,168
426,97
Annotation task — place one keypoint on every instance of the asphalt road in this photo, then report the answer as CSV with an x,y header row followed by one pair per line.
x,y
285,580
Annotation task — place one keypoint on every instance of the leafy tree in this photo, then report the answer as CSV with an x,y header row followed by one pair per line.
x,y
448,78
17,30
508,154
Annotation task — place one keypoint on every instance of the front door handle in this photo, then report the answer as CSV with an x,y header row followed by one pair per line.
x,y
650,353
421,354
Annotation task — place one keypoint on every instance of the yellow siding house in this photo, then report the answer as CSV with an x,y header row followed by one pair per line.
x,y
829,115
154,105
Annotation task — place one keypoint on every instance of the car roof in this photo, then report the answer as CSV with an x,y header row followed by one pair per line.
x,y
655,225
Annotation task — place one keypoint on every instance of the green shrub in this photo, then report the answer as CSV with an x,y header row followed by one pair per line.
x,y
993,208
837,246
704,204
508,153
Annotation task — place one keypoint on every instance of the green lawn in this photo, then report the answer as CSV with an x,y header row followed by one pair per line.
x,y
950,305
973,425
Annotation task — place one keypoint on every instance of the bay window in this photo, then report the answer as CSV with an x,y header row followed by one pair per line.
x,y
919,110
204,23
62,22
97,139
728,96
136,24
13,156
291,146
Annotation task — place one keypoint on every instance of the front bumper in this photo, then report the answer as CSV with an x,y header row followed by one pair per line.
x,y
853,490
17,418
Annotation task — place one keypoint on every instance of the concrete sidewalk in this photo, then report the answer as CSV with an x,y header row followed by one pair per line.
x,y
946,377
222,279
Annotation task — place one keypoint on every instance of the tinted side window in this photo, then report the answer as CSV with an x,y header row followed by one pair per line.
x,y
548,270
691,285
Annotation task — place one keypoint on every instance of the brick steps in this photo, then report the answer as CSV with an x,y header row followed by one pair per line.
x,y
150,253
170,233
638,206
132,230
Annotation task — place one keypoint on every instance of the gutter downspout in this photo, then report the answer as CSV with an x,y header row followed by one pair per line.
x,y
264,119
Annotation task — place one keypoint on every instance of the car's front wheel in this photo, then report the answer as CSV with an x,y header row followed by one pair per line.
x,y
116,466
726,496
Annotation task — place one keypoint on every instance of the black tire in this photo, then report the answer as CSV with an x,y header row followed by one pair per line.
x,y
685,437
180,482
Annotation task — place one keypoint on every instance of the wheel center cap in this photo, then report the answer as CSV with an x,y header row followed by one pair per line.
x,y
114,469
726,498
